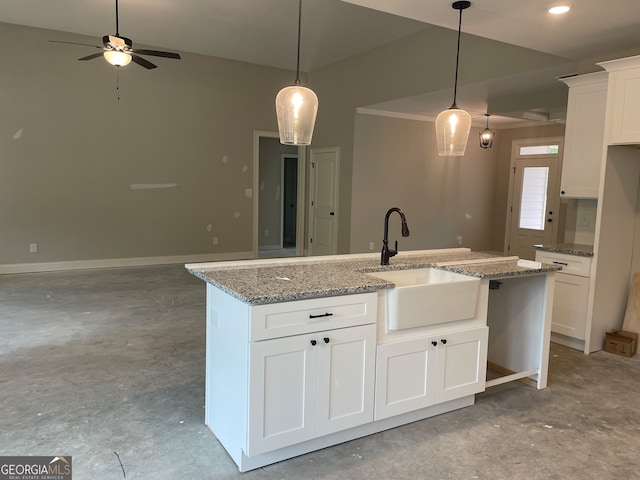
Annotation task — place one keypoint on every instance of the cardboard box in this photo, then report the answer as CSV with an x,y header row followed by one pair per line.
x,y
621,342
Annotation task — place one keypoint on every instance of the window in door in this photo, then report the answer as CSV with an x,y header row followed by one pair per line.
x,y
534,197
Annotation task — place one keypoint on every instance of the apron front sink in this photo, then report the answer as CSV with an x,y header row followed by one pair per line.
x,y
428,296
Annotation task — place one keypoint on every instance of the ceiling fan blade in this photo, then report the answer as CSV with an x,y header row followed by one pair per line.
x,y
91,57
74,43
156,53
143,62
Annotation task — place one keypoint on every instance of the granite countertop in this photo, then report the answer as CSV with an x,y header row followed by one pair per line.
x,y
259,282
568,248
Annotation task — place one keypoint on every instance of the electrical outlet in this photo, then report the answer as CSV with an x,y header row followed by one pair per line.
x,y
370,245
33,248
215,240
248,192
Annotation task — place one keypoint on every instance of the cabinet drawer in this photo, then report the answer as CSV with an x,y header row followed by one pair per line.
x,y
571,264
313,315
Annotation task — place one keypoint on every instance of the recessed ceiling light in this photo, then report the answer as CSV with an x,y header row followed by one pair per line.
x,y
559,9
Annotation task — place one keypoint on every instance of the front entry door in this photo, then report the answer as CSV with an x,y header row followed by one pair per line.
x,y
534,204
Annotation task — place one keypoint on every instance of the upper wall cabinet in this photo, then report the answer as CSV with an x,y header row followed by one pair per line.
x,y
623,111
584,135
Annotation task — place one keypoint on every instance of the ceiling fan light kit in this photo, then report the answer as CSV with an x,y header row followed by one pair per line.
x,y
117,58
119,51
453,125
296,106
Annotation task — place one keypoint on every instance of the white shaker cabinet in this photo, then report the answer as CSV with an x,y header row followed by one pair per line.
x,y
282,374
623,110
421,372
305,386
584,135
569,318
462,364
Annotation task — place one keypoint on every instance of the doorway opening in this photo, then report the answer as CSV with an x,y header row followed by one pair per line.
x,y
278,197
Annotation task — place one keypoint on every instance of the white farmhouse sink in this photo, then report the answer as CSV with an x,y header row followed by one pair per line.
x,y
427,296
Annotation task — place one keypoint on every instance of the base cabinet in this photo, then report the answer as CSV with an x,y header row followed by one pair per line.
x,y
306,386
570,306
418,373
569,315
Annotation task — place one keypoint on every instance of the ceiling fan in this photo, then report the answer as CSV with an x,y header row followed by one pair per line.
x,y
119,51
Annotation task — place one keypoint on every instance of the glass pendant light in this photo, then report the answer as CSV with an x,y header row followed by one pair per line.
x,y
296,106
453,125
486,136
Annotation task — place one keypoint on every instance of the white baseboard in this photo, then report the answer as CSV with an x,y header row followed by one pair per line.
x,y
120,262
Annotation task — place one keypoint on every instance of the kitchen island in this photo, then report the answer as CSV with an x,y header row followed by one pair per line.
x,y
301,353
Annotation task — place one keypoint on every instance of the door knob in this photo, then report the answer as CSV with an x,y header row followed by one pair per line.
x,y
313,342
326,340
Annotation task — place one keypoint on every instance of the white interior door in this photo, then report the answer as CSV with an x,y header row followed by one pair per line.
x,y
323,208
534,199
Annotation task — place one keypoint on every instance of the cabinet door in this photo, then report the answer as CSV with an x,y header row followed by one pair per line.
x,y
462,364
282,392
570,305
624,92
346,370
405,374
584,136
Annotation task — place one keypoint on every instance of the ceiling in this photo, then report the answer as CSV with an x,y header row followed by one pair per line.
x,y
264,32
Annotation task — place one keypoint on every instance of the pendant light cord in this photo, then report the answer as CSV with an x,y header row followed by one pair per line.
x,y
455,84
298,58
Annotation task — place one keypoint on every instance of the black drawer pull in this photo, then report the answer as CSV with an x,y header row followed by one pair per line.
x,y
321,315
561,263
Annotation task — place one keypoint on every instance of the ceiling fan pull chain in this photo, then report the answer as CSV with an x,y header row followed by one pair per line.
x,y
118,82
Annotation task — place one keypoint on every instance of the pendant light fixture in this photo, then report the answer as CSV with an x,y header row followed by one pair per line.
x,y
453,125
486,136
296,106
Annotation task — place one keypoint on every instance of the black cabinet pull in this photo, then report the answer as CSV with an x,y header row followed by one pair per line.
x,y
326,340
561,263
321,315
313,342
434,343
444,341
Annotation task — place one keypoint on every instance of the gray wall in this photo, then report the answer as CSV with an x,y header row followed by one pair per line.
x,y
423,62
396,164
70,151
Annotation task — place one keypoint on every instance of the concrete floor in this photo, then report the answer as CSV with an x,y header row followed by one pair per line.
x,y
103,361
